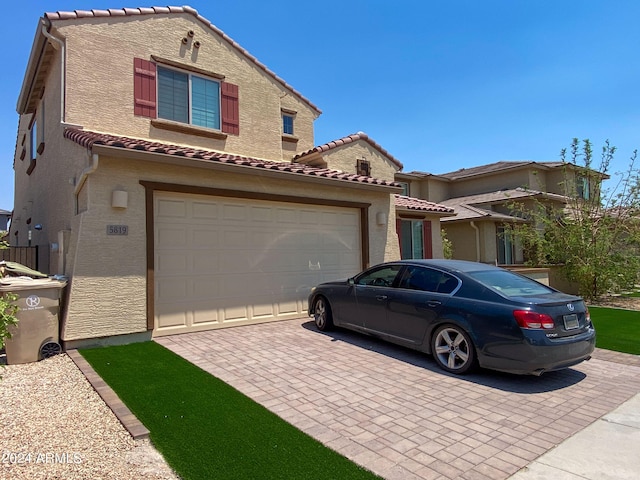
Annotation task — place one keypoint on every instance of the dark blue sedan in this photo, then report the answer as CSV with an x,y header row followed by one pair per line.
x,y
466,314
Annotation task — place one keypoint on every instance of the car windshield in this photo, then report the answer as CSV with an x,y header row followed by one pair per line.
x,y
510,284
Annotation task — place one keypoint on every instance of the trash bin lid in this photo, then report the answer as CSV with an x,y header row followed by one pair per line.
x,y
12,284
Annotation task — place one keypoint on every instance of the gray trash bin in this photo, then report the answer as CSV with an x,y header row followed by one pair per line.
x,y
36,335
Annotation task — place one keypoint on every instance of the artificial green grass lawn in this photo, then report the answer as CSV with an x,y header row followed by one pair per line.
x,y
205,428
616,329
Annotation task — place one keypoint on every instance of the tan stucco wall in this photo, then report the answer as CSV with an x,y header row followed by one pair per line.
x,y
46,196
556,180
100,54
492,183
344,158
436,237
438,190
467,241
108,288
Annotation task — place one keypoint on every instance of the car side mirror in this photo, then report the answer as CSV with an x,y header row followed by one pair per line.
x,y
351,282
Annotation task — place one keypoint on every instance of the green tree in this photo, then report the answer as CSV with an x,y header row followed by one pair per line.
x,y
447,245
595,238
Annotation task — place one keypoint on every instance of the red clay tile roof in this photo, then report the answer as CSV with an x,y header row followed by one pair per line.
x,y
122,12
412,203
346,140
87,139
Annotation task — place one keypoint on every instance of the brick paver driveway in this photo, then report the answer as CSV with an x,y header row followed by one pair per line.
x,y
394,412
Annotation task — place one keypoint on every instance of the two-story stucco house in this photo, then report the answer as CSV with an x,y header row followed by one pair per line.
x,y
177,185
482,198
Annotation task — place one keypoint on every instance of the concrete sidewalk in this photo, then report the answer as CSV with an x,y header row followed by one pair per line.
x,y
609,448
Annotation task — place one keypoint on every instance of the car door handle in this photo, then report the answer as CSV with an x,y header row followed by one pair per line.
x,y
433,303
381,297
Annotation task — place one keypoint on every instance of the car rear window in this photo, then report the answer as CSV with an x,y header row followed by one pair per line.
x,y
509,284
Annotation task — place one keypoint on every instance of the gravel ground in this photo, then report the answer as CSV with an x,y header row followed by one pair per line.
x,y
53,425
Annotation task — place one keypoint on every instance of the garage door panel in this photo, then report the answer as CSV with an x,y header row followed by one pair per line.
x,y
172,288
205,314
236,313
261,214
171,237
206,262
234,240
175,208
205,287
287,216
205,237
234,212
223,262
263,310
205,210
169,320
174,263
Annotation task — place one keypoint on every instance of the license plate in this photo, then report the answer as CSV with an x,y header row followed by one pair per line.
x,y
571,321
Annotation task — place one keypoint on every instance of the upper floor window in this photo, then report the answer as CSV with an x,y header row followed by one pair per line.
x,y
184,96
405,188
363,167
583,187
287,124
188,98
33,137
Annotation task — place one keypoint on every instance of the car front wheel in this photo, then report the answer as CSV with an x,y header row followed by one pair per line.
x,y
453,350
322,314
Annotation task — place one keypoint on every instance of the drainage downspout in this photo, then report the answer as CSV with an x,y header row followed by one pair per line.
x,y
475,227
83,177
59,45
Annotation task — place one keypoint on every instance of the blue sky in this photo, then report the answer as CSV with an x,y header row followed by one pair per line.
x,y
439,84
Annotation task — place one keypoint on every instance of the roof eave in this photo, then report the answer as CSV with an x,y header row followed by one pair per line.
x,y
35,56
165,158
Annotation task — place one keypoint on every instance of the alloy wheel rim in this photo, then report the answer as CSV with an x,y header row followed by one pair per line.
x,y
452,349
320,313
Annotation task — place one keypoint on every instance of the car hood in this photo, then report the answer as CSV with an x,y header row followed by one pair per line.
x,y
334,282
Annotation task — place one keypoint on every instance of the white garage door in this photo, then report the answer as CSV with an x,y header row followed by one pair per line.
x,y
222,261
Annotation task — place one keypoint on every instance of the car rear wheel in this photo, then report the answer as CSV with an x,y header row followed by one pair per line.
x,y
322,314
453,350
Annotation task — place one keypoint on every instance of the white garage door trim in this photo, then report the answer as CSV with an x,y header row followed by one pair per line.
x,y
256,248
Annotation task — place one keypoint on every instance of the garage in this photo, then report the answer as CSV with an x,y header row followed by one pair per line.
x,y
221,261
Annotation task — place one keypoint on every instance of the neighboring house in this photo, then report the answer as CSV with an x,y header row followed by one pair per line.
x,y
482,199
5,215
176,181
417,220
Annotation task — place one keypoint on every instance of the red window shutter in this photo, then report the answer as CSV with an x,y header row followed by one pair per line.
x,y
144,88
426,239
230,108
399,232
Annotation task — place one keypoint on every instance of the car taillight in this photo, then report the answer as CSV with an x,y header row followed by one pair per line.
x,y
587,316
533,320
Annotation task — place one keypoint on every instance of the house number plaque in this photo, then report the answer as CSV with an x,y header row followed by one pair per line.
x,y
117,229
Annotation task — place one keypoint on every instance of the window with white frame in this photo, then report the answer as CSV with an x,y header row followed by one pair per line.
x,y
411,239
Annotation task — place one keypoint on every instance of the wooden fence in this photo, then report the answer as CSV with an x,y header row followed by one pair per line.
x,y
27,256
